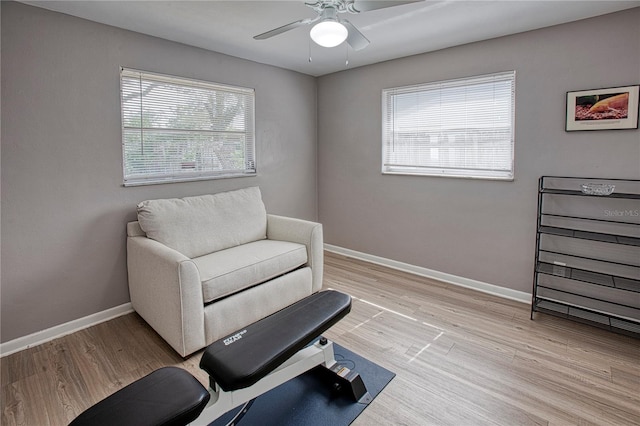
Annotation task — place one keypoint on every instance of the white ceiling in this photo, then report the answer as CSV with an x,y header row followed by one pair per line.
x,y
229,26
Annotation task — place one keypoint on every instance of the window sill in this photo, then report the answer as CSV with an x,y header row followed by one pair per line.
x,y
506,178
162,181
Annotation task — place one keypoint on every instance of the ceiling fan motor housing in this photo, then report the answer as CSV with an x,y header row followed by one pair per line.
x,y
340,6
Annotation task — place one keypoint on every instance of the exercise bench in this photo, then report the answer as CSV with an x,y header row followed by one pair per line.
x,y
241,367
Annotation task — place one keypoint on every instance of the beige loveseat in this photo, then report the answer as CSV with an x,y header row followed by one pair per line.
x,y
203,267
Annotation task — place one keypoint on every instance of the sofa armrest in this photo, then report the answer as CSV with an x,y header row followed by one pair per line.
x,y
301,232
165,290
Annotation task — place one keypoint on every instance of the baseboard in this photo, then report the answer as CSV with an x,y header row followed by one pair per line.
x,y
61,330
507,293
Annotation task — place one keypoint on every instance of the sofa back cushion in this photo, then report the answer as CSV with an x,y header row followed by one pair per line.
x,y
196,226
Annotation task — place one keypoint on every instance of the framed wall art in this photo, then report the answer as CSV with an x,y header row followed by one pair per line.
x,y
603,109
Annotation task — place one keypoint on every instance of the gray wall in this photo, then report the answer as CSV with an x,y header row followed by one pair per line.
x,y
476,229
64,209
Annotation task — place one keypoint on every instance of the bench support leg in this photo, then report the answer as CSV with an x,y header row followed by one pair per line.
x,y
350,382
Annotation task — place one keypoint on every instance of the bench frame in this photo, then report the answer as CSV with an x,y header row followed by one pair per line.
x,y
227,368
304,360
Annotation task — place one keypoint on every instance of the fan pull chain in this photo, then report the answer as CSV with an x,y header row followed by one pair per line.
x,y
310,60
346,64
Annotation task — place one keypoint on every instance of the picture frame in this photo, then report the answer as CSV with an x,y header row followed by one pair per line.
x,y
612,108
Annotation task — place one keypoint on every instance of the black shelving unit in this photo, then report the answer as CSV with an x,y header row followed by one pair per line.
x,y
587,262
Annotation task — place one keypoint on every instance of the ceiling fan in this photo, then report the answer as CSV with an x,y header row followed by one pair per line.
x,y
331,30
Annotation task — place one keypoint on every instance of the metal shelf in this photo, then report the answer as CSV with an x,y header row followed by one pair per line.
x,y
581,194
582,275
592,236
588,316
601,292
590,219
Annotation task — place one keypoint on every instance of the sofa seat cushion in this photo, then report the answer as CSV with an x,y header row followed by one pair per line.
x,y
229,271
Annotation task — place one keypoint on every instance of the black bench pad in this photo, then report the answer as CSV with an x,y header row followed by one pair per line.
x,y
168,396
242,359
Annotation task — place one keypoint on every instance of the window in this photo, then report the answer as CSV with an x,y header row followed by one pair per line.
x,y
458,128
176,129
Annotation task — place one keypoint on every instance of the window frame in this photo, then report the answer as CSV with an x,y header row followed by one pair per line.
x,y
187,174
440,170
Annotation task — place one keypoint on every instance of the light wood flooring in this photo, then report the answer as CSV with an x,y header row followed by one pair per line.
x,y
461,358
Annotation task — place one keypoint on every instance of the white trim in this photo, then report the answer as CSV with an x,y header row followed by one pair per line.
x,y
506,293
43,336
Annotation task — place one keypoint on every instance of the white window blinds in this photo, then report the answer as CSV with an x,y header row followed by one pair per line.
x,y
176,129
460,128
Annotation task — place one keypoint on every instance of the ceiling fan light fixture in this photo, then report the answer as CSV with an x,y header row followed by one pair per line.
x,y
329,33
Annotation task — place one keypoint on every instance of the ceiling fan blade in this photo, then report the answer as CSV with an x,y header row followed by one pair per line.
x,y
356,39
284,28
367,5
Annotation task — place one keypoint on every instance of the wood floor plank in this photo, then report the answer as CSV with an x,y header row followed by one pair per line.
x,y
17,366
460,358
